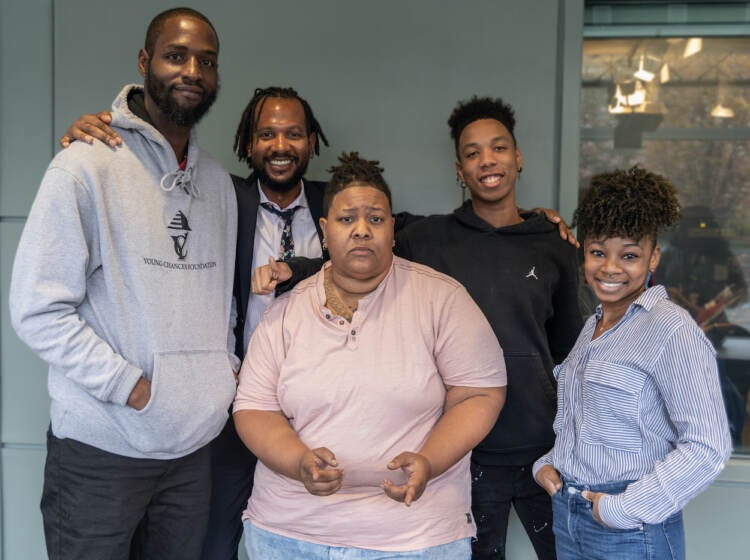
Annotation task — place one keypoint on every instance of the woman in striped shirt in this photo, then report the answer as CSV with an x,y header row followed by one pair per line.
x,y
640,425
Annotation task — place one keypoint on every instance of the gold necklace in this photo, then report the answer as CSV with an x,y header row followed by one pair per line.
x,y
600,328
334,301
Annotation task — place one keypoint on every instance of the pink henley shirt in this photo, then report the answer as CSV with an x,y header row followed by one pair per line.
x,y
368,390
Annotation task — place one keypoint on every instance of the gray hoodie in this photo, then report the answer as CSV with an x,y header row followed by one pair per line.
x,y
125,269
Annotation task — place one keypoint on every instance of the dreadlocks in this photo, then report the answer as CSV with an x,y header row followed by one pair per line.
x,y
631,204
249,122
354,171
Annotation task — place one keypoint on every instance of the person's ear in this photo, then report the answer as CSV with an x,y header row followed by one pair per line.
x,y
143,59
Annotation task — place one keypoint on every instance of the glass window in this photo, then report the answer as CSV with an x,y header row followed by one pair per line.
x,y
680,106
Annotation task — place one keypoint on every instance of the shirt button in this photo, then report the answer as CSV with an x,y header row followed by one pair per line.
x,y
354,333
328,316
571,490
341,322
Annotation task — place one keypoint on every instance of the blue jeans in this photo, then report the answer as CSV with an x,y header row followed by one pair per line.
x,y
263,545
580,537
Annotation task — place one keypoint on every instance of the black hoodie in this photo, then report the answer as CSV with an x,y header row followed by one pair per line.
x,y
524,278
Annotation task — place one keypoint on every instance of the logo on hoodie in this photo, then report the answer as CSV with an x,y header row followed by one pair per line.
x,y
180,223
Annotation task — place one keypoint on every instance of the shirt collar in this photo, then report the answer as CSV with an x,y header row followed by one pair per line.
x,y
646,300
301,200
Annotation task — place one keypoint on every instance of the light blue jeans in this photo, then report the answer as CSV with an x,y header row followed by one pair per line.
x,y
263,545
579,537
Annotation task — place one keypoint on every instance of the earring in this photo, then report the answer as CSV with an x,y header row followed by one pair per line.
x,y
520,169
325,245
459,182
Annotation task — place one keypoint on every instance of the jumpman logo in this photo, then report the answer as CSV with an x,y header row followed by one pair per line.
x,y
532,274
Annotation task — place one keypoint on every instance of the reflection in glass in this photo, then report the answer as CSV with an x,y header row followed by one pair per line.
x,y
691,122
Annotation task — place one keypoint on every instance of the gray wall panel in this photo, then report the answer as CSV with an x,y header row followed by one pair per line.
x,y
24,404
382,77
23,537
25,108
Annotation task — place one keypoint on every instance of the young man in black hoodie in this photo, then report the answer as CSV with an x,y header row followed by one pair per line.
x,y
524,278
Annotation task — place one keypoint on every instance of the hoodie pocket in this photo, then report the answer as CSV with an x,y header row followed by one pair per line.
x,y
190,395
611,394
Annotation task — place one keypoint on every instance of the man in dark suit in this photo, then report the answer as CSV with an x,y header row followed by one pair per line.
x,y
278,213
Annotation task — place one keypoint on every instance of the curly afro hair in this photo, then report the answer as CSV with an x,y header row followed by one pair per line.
x,y
476,108
632,204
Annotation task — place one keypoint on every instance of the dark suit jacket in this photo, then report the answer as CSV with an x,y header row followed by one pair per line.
x,y
248,200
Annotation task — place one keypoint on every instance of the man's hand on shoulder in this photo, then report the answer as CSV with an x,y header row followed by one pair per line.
x,y
553,216
89,127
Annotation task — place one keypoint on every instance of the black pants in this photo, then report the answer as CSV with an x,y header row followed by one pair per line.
x,y
97,505
232,469
493,490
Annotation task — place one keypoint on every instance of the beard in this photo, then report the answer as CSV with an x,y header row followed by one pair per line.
x,y
181,116
279,186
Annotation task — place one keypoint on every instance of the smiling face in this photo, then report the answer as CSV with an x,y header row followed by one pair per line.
x,y
616,268
359,233
488,162
281,148
181,75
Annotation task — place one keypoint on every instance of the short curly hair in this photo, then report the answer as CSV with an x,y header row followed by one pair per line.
x,y
632,204
476,108
354,170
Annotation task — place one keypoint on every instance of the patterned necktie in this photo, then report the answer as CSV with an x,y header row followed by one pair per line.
x,y
286,248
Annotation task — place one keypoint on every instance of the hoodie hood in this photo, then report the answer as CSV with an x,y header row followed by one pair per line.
x,y
172,177
532,222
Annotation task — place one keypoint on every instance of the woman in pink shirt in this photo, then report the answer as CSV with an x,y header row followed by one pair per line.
x,y
362,393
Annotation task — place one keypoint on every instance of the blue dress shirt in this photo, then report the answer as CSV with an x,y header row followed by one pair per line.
x,y
641,403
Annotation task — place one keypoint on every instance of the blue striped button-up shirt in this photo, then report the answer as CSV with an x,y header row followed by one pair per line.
x,y
642,402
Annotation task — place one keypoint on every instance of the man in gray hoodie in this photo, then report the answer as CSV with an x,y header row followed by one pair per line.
x,y
122,282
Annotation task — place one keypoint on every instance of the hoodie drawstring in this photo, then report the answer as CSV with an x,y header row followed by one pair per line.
x,y
181,179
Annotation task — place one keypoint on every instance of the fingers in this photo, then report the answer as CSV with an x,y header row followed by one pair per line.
x,y
325,457
566,234
405,493
267,277
549,479
326,485
397,462
418,468
318,472
280,271
89,127
393,491
263,281
140,395
594,498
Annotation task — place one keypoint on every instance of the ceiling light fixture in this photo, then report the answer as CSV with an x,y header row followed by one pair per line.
x,y
664,74
722,112
693,46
